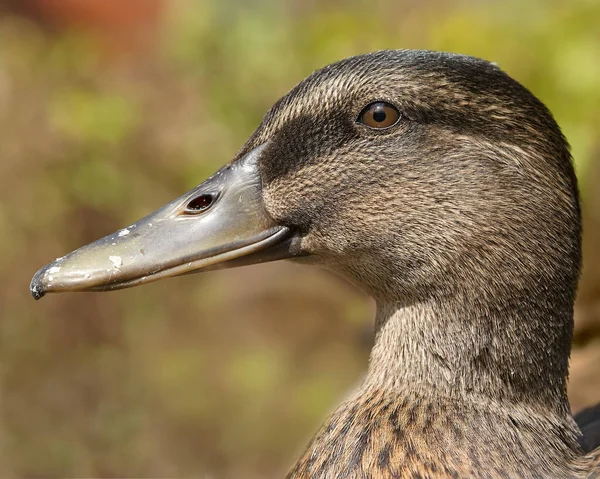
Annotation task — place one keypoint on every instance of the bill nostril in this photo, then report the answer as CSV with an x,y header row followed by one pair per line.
x,y
199,204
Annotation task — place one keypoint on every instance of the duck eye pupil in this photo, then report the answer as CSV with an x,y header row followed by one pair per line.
x,y
379,116
200,203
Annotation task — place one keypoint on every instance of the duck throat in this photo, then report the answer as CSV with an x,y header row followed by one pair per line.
x,y
496,350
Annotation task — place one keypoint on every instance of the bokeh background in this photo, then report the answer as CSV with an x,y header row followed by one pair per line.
x,y
109,109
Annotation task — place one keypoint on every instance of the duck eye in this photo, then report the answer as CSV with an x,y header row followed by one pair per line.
x,y
379,115
199,204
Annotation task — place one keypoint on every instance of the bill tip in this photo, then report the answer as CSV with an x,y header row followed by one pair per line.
x,y
36,287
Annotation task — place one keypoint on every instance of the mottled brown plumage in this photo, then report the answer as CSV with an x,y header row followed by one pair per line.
x,y
382,435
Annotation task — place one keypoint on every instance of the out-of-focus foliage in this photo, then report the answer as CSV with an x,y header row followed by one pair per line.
x,y
224,374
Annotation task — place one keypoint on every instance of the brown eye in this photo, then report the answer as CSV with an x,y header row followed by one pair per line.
x,y
379,115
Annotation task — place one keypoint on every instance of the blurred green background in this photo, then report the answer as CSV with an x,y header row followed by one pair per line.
x,y
109,109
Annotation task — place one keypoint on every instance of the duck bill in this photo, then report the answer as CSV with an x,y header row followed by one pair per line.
x,y
219,224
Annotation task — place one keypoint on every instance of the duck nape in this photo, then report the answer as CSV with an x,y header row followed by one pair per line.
x,y
444,189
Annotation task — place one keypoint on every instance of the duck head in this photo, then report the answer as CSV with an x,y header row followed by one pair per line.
x,y
425,178
413,174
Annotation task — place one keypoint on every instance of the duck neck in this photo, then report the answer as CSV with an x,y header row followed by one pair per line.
x,y
499,351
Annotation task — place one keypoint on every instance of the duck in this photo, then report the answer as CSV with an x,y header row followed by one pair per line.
x,y
444,189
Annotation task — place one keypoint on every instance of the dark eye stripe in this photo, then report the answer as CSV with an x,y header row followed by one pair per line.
x,y
379,115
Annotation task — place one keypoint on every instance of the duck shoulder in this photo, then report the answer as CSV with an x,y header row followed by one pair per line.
x,y
588,421
381,435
